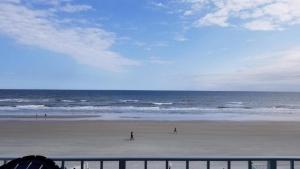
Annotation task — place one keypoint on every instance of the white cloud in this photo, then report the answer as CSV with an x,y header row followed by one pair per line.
x,y
196,5
158,61
40,28
180,37
62,5
188,13
274,71
49,2
158,4
251,14
150,46
71,8
218,18
11,1
263,25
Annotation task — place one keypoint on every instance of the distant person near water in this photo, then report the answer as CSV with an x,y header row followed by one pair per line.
x,y
131,136
175,131
45,116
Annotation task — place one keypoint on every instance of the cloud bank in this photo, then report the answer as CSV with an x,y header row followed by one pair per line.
x,y
44,28
260,15
274,71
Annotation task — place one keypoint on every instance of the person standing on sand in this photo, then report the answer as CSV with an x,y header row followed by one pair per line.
x,y
175,131
131,136
45,116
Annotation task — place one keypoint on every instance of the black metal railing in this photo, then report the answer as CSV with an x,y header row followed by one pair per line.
x,y
271,162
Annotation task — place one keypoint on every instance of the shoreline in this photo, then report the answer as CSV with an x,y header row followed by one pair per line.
x,y
78,118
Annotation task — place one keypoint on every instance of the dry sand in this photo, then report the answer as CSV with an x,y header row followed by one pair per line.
x,y
111,138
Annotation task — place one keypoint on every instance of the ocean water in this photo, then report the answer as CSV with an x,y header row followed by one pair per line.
x,y
149,105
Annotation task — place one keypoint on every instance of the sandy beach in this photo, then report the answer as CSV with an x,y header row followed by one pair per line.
x,y
111,138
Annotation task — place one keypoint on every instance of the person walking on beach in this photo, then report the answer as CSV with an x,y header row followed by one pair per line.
x,y
45,116
131,136
175,131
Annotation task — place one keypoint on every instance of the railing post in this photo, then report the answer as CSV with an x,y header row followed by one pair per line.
x,y
187,164
292,166
81,164
228,164
249,164
122,164
101,164
272,164
208,165
167,164
145,164
62,164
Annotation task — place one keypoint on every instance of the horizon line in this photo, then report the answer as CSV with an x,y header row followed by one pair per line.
x,y
150,90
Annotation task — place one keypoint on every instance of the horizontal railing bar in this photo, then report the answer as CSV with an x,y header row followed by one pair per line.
x,y
245,158
180,159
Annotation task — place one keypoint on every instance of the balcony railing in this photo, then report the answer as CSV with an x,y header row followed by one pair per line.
x,y
269,162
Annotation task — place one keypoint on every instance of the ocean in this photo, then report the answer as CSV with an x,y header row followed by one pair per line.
x,y
149,105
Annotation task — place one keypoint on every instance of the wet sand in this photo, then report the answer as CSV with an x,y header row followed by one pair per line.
x,y
111,138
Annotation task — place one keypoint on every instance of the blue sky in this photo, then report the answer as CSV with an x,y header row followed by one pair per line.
x,y
150,44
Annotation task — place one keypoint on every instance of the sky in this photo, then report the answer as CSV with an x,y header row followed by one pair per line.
x,y
215,45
